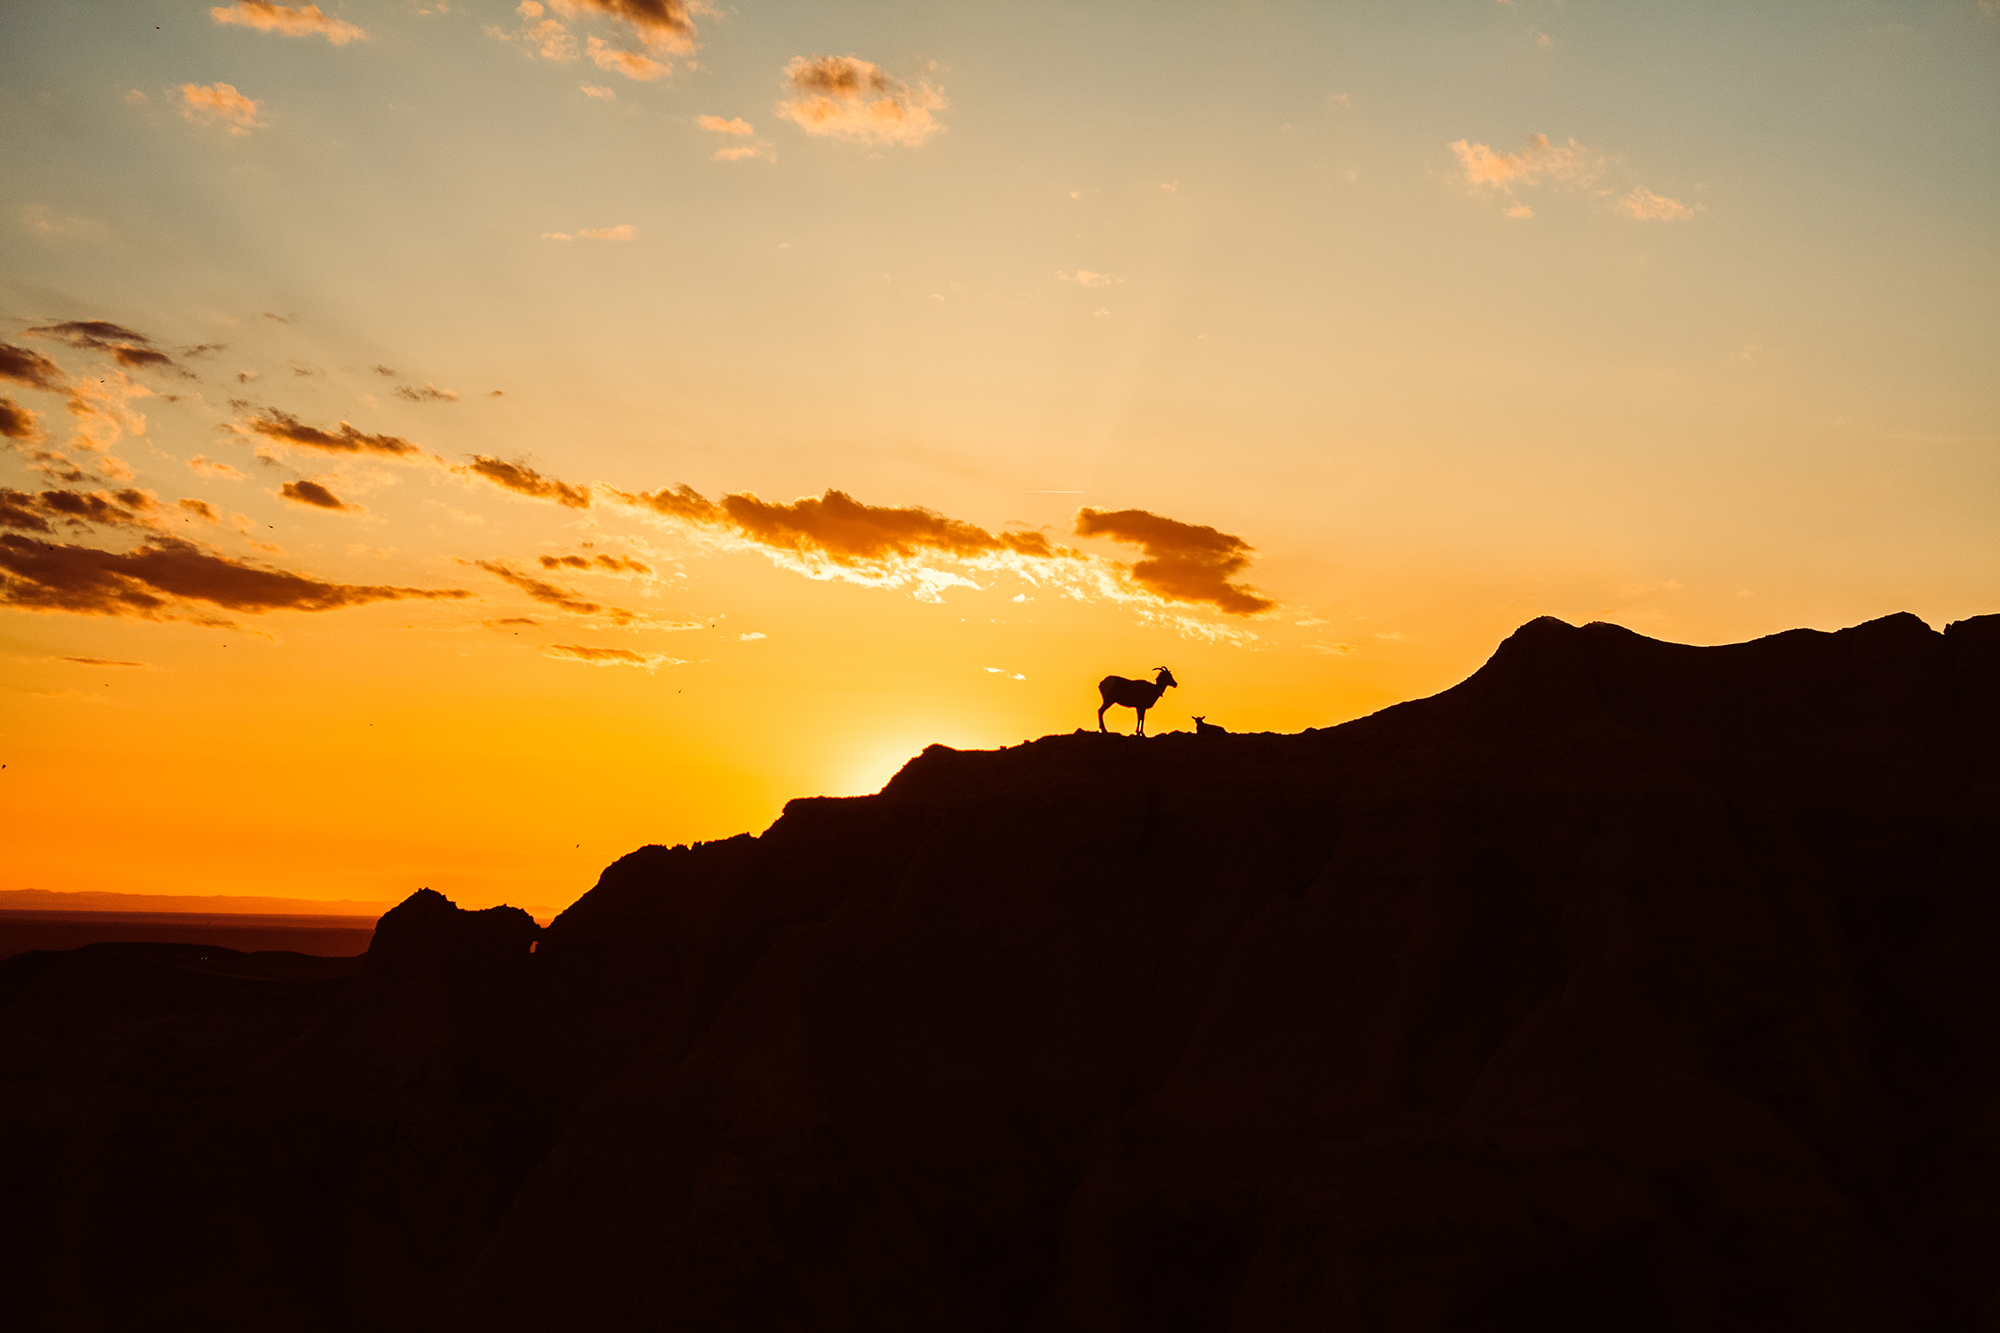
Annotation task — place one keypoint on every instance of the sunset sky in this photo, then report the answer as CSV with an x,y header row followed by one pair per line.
x,y
453,445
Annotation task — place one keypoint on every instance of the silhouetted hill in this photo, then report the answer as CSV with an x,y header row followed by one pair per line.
x,y
1626,985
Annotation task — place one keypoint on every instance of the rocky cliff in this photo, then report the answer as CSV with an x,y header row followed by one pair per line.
x,y
1627,984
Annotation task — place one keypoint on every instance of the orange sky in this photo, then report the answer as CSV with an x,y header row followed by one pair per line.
x,y
454,445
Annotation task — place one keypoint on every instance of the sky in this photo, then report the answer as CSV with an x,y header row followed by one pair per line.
x,y
454,444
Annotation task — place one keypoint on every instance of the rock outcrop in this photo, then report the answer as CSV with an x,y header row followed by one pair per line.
x,y
1627,984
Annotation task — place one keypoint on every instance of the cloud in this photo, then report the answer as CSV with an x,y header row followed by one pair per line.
x,y
430,393
548,38
549,594
158,580
1520,211
201,509
206,104
836,527
717,125
319,497
17,422
664,25
524,480
843,97
209,467
1643,204
305,21
600,93
616,564
624,231
1539,160
111,509
103,412
45,222
26,366
284,428
1182,562
631,64
576,652
1083,277
744,152
128,348
100,662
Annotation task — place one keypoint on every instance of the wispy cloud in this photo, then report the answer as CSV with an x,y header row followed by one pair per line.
x,y
1083,277
205,104
613,563
524,480
717,125
430,393
843,97
624,231
631,64
576,652
1642,203
538,35
43,221
602,94
305,21
284,428
167,578
210,468
1539,160
128,348
316,496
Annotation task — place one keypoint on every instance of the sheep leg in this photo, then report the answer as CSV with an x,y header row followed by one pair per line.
x,y
1100,715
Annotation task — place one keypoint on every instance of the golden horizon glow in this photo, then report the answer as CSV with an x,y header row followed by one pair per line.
x,y
430,466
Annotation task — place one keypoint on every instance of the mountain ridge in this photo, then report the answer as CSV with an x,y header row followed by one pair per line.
x,y
1623,983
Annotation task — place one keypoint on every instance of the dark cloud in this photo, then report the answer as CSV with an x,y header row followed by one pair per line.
x,y
576,652
526,481
514,620
1182,562
383,370
839,528
204,349
660,23
316,495
430,393
31,512
280,318
201,509
26,366
128,347
99,662
548,593
616,564
157,580
17,422
284,428
19,510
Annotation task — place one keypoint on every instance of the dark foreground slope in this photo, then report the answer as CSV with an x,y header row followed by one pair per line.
x,y
1627,985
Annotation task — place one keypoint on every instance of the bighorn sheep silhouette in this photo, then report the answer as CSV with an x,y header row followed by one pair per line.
x,y
1134,694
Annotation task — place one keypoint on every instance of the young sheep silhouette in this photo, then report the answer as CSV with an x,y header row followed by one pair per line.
x,y
1135,694
1203,727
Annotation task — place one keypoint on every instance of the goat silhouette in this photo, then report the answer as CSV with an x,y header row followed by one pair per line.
x,y
1134,694
1203,727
